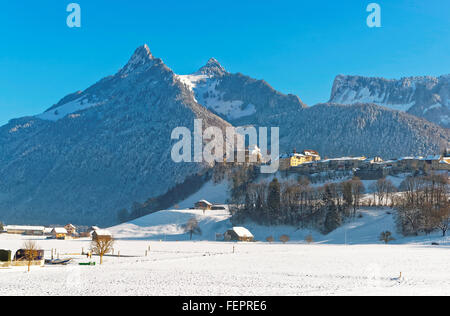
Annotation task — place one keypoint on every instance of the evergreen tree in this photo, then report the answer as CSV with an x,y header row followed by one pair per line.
x,y
333,219
274,196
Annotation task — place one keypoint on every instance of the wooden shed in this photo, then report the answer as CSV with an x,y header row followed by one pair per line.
x,y
238,234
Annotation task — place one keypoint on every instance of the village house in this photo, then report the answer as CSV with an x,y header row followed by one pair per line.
x,y
59,233
239,234
25,230
101,234
71,230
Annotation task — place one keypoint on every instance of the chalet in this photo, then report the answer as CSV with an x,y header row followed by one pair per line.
x,y
101,234
203,205
25,230
59,233
71,229
239,234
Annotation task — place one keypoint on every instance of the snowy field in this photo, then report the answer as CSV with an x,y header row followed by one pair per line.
x,y
211,268
349,261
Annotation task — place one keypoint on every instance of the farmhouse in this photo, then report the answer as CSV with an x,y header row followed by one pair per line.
x,y
101,234
238,234
25,230
59,233
203,205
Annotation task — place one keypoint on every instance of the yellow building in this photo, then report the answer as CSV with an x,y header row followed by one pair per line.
x,y
294,159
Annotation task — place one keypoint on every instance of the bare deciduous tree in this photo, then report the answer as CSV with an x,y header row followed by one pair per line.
x,y
192,227
285,238
102,246
31,252
386,237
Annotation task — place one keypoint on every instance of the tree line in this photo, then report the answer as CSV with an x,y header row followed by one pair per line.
x,y
424,205
296,203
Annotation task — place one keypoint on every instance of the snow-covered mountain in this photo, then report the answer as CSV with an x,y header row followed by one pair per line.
x,y
237,98
98,150
427,97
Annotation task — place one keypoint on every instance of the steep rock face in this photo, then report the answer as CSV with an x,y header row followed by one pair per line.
x,y
427,97
99,150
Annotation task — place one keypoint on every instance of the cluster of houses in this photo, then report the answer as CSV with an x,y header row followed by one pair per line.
x,y
309,161
61,233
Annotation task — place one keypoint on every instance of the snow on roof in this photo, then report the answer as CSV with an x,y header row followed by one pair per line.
x,y
204,201
59,230
242,232
70,225
103,232
19,227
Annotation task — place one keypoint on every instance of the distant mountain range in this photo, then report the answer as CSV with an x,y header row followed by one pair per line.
x,y
97,151
426,97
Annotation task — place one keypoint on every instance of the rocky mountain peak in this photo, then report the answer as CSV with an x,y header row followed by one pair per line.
x,y
142,59
212,68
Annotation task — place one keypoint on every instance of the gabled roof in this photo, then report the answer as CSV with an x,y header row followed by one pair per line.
x,y
242,232
59,230
102,232
206,202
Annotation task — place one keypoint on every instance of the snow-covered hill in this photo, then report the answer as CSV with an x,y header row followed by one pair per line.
x,y
366,229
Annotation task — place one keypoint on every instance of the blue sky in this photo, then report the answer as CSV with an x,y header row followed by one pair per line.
x,y
297,46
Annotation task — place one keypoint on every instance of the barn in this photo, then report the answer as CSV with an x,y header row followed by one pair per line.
x,y
25,230
238,234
